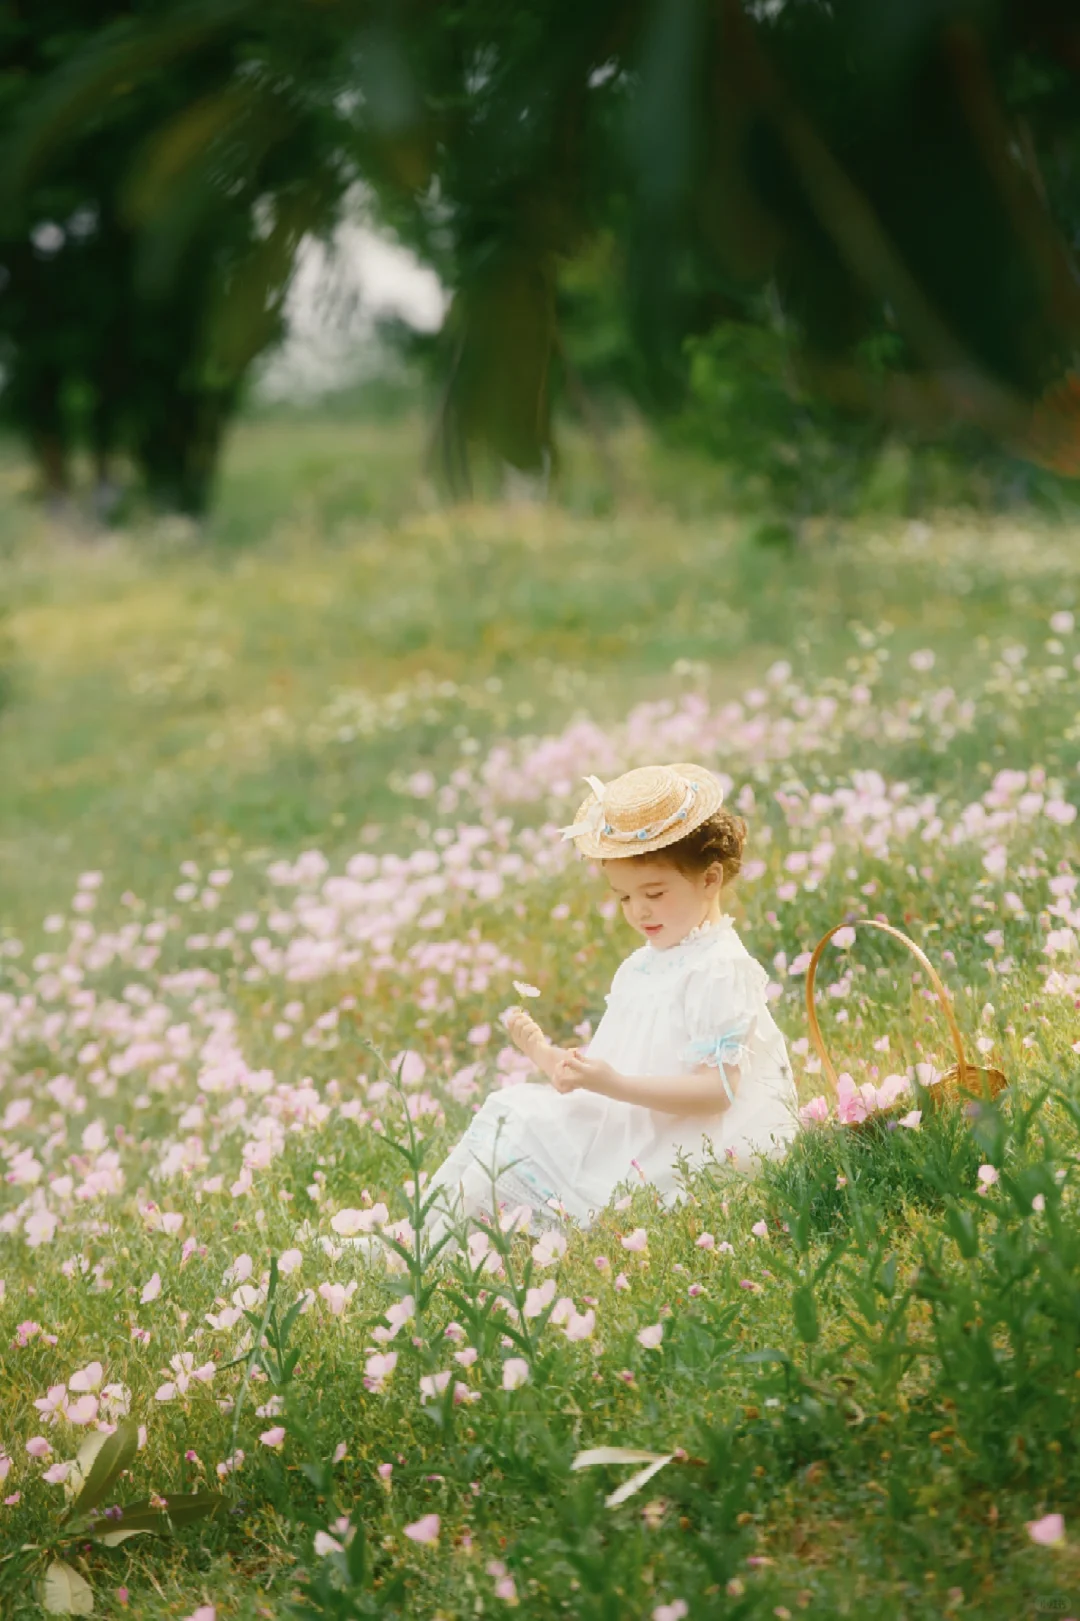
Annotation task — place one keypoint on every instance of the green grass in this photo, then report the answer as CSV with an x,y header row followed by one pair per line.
x,y
869,1428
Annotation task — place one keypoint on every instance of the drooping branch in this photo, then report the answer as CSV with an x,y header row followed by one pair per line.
x,y
864,245
1017,184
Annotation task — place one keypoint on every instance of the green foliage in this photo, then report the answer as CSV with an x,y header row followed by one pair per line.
x,y
833,1178
790,456
102,1461
1004,1297
340,1587
603,190
784,451
142,274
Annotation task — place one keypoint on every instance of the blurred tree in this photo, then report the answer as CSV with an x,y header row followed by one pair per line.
x,y
891,183
163,190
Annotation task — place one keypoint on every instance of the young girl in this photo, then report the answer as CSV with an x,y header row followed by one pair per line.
x,y
686,1057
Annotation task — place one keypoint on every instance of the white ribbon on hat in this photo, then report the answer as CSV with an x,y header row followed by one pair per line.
x,y
594,817
595,822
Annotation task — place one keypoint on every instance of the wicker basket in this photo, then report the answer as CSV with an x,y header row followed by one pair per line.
x,y
960,1084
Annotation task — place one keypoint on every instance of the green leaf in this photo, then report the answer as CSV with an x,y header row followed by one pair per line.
x,y
356,1556
394,1591
522,1340
113,1539
174,150
143,1518
108,1463
185,1510
98,1526
319,1475
830,1259
65,1592
768,1353
289,1319
398,1149
84,1461
962,1228
431,1198
116,56
408,1256
804,1308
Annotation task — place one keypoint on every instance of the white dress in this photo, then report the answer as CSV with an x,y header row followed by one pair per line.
x,y
668,1011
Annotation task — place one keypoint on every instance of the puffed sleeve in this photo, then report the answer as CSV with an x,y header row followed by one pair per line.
x,y
723,1002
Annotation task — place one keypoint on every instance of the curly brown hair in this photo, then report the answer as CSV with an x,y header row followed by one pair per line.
x,y
721,838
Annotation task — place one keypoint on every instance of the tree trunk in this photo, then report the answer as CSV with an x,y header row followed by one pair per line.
x,y
178,454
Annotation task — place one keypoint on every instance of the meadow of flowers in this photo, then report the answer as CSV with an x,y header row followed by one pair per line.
x,y
849,1385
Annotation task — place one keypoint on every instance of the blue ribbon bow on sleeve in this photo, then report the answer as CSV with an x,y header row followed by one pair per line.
x,y
716,1049
724,1047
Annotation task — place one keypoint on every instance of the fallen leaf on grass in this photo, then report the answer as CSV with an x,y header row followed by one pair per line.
x,y
654,1462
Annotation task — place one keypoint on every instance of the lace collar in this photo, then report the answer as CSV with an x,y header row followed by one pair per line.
x,y
648,959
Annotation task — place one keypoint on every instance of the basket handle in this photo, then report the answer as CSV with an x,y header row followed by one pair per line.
x,y
943,995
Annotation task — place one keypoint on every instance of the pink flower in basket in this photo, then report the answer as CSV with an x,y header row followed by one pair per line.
x,y
851,1104
891,1088
816,1112
854,1103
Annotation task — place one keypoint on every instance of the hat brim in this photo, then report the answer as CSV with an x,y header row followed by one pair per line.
x,y
708,801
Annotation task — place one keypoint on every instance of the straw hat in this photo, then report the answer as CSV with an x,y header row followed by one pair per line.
x,y
643,810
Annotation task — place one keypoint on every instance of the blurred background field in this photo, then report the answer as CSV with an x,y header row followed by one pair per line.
x,y
257,683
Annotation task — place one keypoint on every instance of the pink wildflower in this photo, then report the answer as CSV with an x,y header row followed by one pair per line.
x,y
515,1372
424,1530
580,1325
1048,1532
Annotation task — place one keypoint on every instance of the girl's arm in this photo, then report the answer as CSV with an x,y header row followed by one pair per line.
x,y
546,1057
700,1091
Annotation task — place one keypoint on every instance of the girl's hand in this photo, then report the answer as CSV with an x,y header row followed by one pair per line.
x,y
575,1071
524,1032
528,1037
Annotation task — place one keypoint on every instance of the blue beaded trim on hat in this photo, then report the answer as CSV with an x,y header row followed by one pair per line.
x,y
646,832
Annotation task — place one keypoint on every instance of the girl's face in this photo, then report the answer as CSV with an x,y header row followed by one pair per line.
x,y
661,902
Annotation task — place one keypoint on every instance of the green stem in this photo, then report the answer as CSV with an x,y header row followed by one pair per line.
x,y
253,1357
